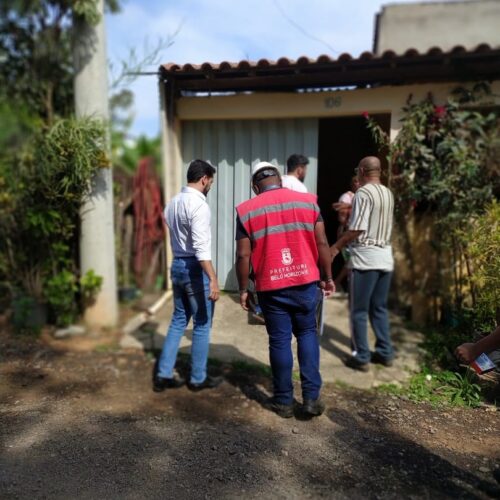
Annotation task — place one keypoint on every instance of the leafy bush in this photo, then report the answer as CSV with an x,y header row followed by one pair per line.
x,y
44,186
460,389
37,57
61,289
444,163
440,343
90,284
28,316
439,158
482,243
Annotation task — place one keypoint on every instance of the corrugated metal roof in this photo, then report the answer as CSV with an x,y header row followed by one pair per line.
x,y
483,62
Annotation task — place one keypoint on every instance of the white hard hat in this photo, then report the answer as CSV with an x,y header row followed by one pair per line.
x,y
262,165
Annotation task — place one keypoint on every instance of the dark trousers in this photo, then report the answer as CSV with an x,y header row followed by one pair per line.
x,y
368,299
285,311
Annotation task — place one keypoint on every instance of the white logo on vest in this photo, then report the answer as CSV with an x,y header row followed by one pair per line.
x,y
286,256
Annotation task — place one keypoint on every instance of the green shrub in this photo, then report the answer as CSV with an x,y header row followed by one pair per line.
x,y
43,187
444,162
482,243
439,388
60,291
90,284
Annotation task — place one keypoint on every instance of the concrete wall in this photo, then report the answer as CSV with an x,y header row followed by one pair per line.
x,y
440,24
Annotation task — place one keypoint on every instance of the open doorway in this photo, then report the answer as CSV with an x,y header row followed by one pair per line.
x,y
343,141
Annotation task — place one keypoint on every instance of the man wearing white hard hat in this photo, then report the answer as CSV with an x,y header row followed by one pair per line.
x,y
281,234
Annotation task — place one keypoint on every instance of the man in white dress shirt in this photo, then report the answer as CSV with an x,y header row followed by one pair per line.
x,y
194,281
296,170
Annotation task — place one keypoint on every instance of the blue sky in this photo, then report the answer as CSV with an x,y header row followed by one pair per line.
x,y
231,30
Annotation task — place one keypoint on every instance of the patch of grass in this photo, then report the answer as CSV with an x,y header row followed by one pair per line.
x,y
439,388
296,376
150,356
391,389
251,368
441,379
106,348
341,384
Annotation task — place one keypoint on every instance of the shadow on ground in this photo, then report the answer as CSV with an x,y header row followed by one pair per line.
x,y
405,464
87,425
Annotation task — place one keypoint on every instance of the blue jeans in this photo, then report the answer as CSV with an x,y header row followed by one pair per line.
x,y
191,290
368,299
285,311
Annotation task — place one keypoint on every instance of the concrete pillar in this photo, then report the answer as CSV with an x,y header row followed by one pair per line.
x,y
171,156
97,244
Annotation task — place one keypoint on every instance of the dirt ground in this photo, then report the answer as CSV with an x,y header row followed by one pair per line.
x,y
78,419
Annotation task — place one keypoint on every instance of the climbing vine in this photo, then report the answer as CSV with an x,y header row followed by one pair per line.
x,y
444,163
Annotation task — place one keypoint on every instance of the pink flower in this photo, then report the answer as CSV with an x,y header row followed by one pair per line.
x,y
365,115
439,111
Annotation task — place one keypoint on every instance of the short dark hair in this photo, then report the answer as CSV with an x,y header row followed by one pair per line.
x,y
198,169
295,161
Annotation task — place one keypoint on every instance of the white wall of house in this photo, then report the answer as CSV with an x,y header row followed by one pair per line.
x,y
437,24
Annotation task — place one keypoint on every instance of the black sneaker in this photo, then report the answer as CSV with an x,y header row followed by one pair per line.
x,y
313,407
282,410
160,383
380,360
209,383
355,364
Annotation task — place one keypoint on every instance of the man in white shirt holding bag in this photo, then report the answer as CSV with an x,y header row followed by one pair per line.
x,y
194,281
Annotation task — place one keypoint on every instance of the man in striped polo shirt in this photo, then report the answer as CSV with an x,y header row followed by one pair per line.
x,y
372,263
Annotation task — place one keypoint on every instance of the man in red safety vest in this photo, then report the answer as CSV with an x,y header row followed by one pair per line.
x,y
282,235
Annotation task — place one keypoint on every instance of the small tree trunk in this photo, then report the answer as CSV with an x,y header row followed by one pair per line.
x,y
469,276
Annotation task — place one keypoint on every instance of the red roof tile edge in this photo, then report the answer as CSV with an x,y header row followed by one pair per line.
x,y
322,59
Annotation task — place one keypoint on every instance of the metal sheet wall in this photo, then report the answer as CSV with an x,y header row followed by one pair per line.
x,y
233,146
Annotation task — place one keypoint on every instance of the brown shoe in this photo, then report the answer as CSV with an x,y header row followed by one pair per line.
x,y
160,383
282,410
355,364
380,360
209,383
313,407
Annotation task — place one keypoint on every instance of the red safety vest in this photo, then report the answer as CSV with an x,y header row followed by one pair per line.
x,y
280,224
